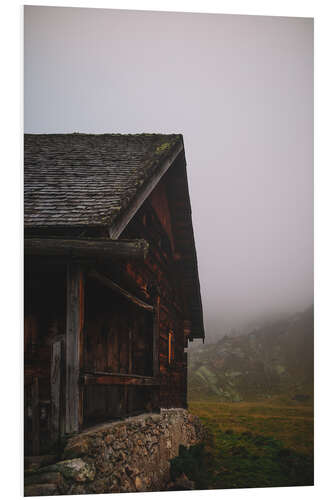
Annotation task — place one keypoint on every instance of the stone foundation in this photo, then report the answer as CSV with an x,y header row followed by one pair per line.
x,y
125,456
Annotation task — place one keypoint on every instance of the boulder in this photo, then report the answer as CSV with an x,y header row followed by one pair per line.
x,y
75,469
76,448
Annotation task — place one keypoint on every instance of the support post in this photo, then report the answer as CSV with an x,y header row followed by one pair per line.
x,y
185,361
55,383
35,415
74,324
156,338
129,394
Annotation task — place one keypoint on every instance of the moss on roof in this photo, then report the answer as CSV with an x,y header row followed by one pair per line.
x,y
88,179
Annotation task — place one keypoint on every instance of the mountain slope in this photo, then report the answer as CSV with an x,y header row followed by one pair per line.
x,y
276,358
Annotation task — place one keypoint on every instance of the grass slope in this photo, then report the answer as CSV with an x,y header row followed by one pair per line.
x,y
254,394
251,445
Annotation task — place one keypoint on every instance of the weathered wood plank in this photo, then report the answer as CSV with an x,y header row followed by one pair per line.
x,y
35,416
32,371
55,384
73,333
129,392
185,361
81,347
124,354
62,415
118,379
156,338
99,248
123,375
129,296
130,351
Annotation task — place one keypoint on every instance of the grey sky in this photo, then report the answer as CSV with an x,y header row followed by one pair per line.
x,y
240,90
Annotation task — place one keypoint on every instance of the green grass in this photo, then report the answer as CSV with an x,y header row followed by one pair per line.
x,y
283,419
256,444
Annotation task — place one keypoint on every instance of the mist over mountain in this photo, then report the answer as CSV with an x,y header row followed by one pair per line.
x,y
258,361
216,327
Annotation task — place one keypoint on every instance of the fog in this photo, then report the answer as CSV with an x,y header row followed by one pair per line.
x,y
240,90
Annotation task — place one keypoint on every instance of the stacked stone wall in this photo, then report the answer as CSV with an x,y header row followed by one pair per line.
x,y
126,456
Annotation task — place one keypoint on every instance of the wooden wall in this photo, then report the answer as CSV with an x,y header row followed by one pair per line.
x,y
153,222
118,339
116,335
44,332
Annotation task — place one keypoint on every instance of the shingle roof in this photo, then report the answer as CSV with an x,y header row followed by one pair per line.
x,y
74,180
88,180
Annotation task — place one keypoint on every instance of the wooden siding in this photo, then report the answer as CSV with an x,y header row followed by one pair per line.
x,y
44,332
121,335
118,342
159,274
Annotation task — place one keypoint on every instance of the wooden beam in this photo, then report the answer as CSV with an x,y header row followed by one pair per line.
x,y
156,338
74,321
185,364
94,248
99,378
130,351
129,296
35,415
129,392
55,383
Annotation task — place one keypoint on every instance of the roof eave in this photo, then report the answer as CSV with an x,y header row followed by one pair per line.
x,y
117,227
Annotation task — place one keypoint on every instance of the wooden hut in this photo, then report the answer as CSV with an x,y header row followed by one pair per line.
x,y
112,293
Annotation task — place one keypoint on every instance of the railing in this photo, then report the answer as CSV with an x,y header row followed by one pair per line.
x,y
108,378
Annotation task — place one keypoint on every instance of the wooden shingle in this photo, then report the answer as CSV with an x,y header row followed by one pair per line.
x,y
88,180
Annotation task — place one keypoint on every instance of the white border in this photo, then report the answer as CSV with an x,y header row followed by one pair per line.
x,y
11,209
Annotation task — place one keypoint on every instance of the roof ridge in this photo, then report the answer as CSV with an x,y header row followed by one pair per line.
x,y
112,134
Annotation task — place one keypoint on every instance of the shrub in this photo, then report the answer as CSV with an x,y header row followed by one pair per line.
x,y
193,463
